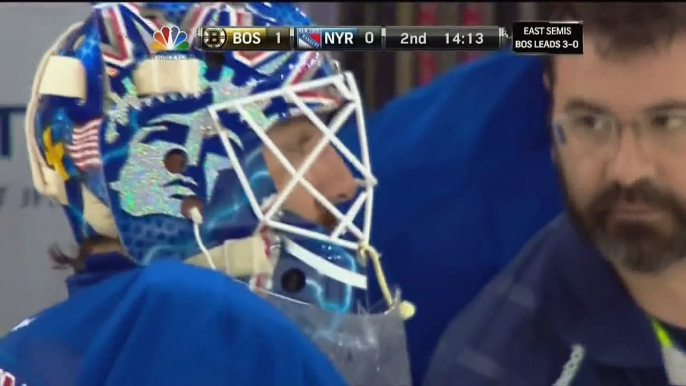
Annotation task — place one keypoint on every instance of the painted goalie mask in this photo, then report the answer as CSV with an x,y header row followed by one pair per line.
x,y
230,160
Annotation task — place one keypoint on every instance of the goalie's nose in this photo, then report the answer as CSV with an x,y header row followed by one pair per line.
x,y
333,177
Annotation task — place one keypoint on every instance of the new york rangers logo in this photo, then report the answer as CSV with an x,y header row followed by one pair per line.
x,y
310,38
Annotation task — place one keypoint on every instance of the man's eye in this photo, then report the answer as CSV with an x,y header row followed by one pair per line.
x,y
589,122
668,121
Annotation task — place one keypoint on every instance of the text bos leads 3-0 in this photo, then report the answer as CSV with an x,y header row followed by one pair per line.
x,y
548,38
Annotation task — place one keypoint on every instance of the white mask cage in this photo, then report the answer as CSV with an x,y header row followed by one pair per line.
x,y
250,108
342,85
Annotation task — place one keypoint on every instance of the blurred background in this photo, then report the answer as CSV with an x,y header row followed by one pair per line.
x,y
29,224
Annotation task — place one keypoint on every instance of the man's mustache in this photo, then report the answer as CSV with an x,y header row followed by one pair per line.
x,y
641,192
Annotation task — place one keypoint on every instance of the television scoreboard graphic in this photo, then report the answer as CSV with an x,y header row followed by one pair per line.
x,y
527,38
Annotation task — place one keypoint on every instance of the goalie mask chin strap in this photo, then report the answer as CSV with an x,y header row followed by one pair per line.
x,y
406,309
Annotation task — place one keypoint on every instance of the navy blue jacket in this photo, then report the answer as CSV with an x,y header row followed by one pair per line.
x,y
558,309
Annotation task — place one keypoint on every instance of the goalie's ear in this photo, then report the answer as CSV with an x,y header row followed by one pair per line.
x,y
60,76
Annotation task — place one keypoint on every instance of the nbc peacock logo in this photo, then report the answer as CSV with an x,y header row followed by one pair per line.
x,y
169,38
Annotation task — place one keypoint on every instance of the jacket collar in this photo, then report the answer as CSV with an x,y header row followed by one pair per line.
x,y
588,304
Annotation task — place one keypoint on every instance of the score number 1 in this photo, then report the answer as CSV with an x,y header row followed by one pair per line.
x,y
276,41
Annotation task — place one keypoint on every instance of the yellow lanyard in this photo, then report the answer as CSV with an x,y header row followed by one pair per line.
x,y
673,358
662,334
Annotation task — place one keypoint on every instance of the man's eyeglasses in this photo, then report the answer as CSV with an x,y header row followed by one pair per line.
x,y
598,131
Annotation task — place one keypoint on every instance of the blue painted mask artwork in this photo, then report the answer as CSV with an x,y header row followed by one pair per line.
x,y
160,130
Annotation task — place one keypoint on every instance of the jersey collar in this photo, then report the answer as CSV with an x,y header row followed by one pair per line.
x,y
97,268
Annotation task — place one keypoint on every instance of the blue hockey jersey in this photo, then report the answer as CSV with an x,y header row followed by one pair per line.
x,y
465,178
165,324
12,373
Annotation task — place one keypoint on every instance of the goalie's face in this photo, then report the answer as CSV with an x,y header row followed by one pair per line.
x,y
296,139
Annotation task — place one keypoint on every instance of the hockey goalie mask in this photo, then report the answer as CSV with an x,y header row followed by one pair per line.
x,y
234,141
231,160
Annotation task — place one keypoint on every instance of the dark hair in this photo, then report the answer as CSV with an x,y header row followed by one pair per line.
x,y
62,260
623,28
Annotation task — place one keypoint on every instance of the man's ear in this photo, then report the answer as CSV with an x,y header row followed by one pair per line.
x,y
553,148
546,82
554,155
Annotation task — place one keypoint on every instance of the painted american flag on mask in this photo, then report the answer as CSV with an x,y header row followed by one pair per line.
x,y
85,148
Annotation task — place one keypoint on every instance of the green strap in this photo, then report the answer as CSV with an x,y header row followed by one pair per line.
x,y
662,334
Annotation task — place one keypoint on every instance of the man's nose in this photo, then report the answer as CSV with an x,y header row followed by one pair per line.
x,y
630,163
334,179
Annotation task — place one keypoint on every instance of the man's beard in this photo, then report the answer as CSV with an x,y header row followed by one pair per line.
x,y
637,246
